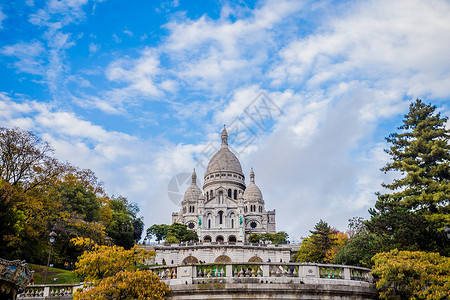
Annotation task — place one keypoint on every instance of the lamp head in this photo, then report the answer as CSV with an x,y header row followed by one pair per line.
x,y
52,236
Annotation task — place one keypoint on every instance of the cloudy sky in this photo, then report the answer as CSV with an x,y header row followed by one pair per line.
x,y
138,91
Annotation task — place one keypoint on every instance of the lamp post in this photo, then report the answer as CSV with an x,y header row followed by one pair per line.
x,y
447,232
51,237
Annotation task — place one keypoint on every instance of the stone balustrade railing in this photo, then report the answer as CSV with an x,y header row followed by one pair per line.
x,y
59,291
263,272
249,272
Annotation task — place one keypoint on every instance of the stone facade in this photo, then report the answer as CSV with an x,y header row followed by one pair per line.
x,y
178,254
227,209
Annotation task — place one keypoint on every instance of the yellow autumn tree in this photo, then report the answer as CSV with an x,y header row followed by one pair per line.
x,y
127,285
412,275
113,272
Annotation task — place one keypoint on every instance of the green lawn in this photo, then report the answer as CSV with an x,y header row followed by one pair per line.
x,y
63,276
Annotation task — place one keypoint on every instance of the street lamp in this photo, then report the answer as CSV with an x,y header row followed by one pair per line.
x,y
447,232
51,237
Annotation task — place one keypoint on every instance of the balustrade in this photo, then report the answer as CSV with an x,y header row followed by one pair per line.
x,y
54,290
268,270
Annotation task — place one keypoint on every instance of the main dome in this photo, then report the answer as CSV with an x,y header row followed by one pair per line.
x,y
224,159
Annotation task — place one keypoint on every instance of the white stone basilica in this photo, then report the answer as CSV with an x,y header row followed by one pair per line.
x,y
227,210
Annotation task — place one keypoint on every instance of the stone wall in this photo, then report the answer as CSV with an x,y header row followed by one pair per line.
x,y
247,291
176,254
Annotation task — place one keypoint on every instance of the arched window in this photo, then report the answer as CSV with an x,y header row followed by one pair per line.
x,y
232,220
229,193
235,194
220,198
207,196
184,209
211,194
220,217
209,224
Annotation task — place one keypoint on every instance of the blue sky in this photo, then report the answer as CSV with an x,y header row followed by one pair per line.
x,y
138,91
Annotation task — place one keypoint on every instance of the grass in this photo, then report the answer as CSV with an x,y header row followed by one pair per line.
x,y
55,275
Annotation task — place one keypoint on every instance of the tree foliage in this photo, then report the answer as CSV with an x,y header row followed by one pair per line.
x,y
174,233
415,212
360,247
112,270
127,285
321,246
100,261
158,231
280,237
412,275
39,194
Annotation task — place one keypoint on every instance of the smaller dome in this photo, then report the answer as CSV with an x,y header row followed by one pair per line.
x,y
252,192
193,192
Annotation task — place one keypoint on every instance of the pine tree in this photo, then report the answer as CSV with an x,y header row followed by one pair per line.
x,y
419,202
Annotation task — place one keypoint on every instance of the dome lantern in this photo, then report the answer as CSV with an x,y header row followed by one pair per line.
x,y
224,137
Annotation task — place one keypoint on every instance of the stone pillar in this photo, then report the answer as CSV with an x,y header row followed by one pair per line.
x,y
185,273
229,270
347,273
266,270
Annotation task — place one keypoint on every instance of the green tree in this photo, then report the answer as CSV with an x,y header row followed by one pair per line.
x,y
11,219
319,245
414,214
120,227
412,275
280,237
361,246
158,231
181,233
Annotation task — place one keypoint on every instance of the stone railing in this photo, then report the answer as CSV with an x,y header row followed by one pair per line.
x,y
56,291
264,273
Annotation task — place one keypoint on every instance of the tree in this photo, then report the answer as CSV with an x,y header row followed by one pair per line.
x,y
158,231
120,228
181,233
127,285
101,261
416,211
361,245
276,238
11,219
24,158
112,270
317,247
412,275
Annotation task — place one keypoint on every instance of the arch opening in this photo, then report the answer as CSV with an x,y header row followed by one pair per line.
x,y
222,259
190,260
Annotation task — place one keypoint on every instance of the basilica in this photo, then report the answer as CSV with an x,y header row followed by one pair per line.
x,y
227,210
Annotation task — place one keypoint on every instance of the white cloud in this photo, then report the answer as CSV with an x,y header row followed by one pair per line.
x,y
381,41
29,56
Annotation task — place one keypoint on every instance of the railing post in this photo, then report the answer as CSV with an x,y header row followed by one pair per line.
x,y
266,270
347,273
186,273
46,291
229,270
